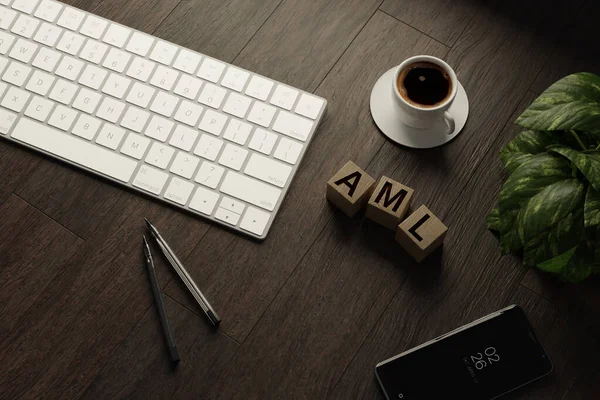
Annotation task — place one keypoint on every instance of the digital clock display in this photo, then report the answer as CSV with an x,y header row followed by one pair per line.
x,y
480,362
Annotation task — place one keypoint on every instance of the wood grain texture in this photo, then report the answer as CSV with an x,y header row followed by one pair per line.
x,y
246,276
16,164
139,368
443,20
216,28
471,279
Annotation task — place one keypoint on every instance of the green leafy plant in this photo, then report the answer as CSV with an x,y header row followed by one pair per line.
x,y
549,206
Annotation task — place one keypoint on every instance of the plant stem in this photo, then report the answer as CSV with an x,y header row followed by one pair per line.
x,y
576,136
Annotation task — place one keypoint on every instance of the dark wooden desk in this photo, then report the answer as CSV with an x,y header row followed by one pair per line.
x,y
309,312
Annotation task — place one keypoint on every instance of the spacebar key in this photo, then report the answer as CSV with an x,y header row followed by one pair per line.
x,y
74,149
250,190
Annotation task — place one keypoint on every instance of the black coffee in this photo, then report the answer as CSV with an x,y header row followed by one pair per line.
x,y
424,84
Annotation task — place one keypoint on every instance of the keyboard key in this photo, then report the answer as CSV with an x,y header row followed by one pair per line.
x,y
26,6
164,78
39,108
229,204
71,18
204,200
3,63
86,126
255,221
183,138
110,136
187,61
48,10
227,216
7,119
140,44
184,165
16,73
40,83
23,50
288,151
163,52
309,106
140,95
284,97
211,70
164,104
62,118
179,191
250,190
262,114
188,87
6,41
159,128
135,119
110,110
63,91
263,141
7,16
259,88
135,146
116,35
160,155
87,101
48,34
69,68
15,99
237,131
141,69
116,60
208,147
70,43
47,59
213,122
73,149
188,113
150,179
93,27
237,105
292,125
233,156
116,86
25,26
212,95
93,77
268,170
209,174
93,51
235,79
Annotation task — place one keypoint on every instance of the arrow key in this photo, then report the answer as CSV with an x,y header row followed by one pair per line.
x,y
227,216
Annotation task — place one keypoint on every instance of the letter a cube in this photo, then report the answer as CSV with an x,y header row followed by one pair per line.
x,y
389,203
349,188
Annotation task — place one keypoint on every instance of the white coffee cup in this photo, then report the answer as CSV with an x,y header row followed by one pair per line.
x,y
426,117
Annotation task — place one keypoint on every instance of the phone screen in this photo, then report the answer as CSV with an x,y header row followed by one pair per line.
x,y
483,361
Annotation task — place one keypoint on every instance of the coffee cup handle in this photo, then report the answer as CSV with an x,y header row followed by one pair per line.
x,y
450,122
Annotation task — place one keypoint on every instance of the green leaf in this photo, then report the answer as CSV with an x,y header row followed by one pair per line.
x,y
579,266
557,264
555,240
493,220
527,144
572,103
588,163
530,178
592,207
549,206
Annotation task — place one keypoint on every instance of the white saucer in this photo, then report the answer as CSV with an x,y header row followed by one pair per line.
x,y
387,117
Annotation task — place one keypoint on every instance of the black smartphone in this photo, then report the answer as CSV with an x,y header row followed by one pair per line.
x,y
482,360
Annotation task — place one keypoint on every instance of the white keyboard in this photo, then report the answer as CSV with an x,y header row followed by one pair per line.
x,y
208,137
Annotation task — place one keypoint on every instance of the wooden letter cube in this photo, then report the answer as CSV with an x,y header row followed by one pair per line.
x,y
389,203
421,233
350,188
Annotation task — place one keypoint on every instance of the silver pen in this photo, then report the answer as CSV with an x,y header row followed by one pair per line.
x,y
185,277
